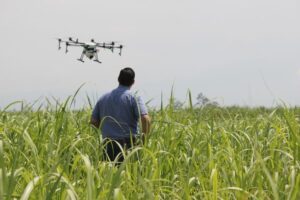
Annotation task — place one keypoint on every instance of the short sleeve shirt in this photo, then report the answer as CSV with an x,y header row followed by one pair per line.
x,y
119,112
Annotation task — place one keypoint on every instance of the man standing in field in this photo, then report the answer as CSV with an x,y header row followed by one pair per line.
x,y
119,112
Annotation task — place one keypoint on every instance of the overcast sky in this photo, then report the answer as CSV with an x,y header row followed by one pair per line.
x,y
243,52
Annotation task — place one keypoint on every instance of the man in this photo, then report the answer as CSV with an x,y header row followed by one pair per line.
x,y
119,112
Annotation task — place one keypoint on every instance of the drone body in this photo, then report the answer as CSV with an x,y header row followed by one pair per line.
x,y
90,49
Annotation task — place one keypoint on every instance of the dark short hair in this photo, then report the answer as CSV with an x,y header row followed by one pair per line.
x,y
126,76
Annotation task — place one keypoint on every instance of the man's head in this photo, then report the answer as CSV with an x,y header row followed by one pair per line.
x,y
126,77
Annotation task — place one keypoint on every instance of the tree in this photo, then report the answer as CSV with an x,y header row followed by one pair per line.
x,y
178,104
202,100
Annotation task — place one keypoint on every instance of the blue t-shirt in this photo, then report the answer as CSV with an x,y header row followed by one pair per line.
x,y
119,111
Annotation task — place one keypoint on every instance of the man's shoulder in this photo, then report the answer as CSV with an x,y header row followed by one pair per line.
x,y
130,93
104,96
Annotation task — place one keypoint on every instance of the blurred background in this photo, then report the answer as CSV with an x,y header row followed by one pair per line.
x,y
236,52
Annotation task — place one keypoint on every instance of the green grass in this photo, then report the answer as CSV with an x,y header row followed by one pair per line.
x,y
191,153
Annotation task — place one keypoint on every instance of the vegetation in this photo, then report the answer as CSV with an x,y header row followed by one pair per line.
x,y
208,152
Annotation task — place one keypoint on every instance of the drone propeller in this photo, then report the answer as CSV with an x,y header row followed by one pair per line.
x,y
112,42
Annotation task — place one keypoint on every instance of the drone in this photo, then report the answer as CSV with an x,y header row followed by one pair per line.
x,y
90,49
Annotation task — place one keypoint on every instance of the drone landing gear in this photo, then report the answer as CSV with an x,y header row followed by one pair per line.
x,y
98,61
81,57
96,58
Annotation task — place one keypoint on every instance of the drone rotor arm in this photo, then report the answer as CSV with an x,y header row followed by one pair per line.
x,y
104,46
76,45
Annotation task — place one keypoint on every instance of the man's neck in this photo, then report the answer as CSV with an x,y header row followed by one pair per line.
x,y
125,87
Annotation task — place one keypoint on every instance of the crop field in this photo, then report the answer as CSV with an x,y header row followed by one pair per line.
x,y
191,153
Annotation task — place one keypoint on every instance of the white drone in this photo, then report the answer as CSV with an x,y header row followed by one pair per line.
x,y
90,49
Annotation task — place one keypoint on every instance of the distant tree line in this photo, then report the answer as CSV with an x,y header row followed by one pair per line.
x,y
201,101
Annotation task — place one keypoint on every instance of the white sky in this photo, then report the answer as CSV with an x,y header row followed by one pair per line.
x,y
243,52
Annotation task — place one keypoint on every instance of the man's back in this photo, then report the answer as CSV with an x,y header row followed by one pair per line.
x,y
119,112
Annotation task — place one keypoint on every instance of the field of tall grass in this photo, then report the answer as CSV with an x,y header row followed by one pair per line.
x,y
191,153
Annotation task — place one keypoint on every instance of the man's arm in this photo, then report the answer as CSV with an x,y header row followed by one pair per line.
x,y
96,118
145,123
95,122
